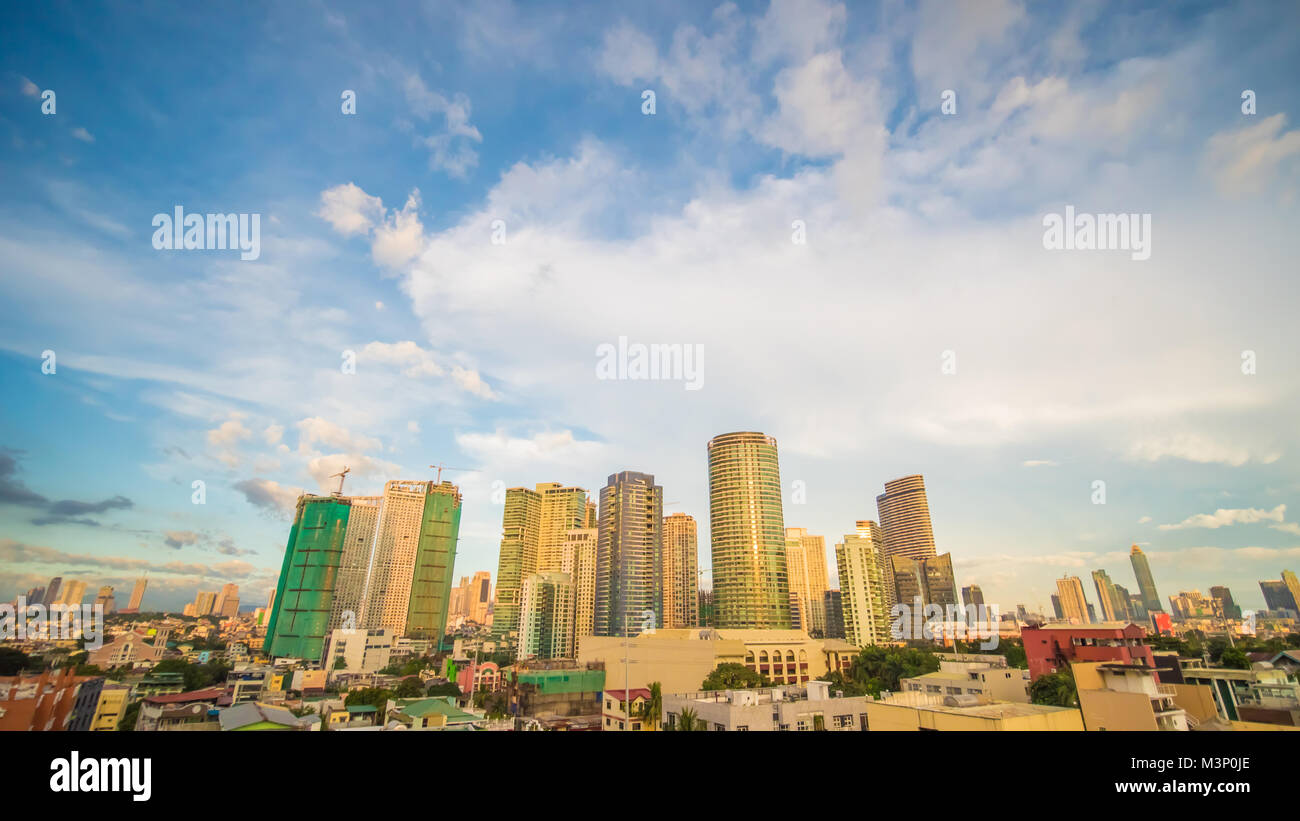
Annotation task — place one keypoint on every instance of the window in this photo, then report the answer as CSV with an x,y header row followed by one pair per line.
x,y
743,728
840,722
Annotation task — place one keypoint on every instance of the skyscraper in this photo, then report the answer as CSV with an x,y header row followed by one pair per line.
x,y
520,528
860,561
1146,582
1277,596
105,599
1292,585
563,509
72,592
354,564
580,564
227,604
137,594
1113,598
905,518
972,595
305,591
1074,605
435,558
833,605
805,560
409,583
52,591
629,555
1227,606
681,572
750,584
546,607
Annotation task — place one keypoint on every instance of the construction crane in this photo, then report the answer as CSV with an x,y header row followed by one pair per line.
x,y
441,467
340,476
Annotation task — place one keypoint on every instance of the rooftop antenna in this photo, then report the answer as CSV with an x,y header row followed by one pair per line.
x,y
441,467
341,475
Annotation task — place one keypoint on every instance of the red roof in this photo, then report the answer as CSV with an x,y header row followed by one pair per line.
x,y
637,692
210,694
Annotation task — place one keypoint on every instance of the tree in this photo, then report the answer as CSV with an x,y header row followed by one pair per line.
x,y
652,708
1234,658
731,676
882,668
443,688
377,696
689,722
410,687
1054,689
132,712
13,662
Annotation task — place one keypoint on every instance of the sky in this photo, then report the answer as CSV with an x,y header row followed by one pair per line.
x,y
842,204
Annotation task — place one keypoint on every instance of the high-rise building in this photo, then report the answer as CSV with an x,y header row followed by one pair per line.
x,y
905,518
479,597
204,602
71,592
546,607
563,509
629,555
833,605
1137,610
580,564
750,583
1292,584
1146,582
227,604
940,582
354,564
1277,596
681,572
105,599
860,561
1227,607
409,585
137,594
805,561
52,591
520,528
930,579
1074,605
1114,603
972,595
305,591
1056,606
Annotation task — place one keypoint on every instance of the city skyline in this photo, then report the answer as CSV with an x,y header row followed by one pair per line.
x,y
864,274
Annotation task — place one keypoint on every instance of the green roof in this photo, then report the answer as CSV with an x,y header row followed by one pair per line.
x,y
362,708
431,706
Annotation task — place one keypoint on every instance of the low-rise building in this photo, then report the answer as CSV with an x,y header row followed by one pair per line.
x,y
1116,696
805,707
1262,694
912,712
986,677
615,713
195,710
113,699
434,713
1052,647
48,701
254,715
359,651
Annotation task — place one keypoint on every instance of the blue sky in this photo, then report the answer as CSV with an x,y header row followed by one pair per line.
x,y
924,235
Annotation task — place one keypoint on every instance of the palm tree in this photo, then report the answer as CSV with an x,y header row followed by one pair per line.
x,y
651,709
689,721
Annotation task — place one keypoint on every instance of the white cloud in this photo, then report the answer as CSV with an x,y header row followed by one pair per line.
x,y
29,88
83,135
1223,517
1194,447
1246,160
350,210
449,149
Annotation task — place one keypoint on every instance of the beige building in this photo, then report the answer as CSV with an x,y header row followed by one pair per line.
x,y
993,680
1074,606
1114,696
521,524
354,563
108,711
227,603
546,617
864,589
905,518
681,572
563,509
912,712
137,594
680,660
392,565
805,560
358,650
580,563
802,708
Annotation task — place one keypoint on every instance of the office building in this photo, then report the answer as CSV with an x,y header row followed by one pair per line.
x,y
227,604
563,509
629,555
833,607
1146,582
105,599
681,572
1114,604
520,530
1292,585
1074,606
52,591
860,561
137,594
972,596
546,620
305,590
905,518
805,560
1277,596
747,531
1225,606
